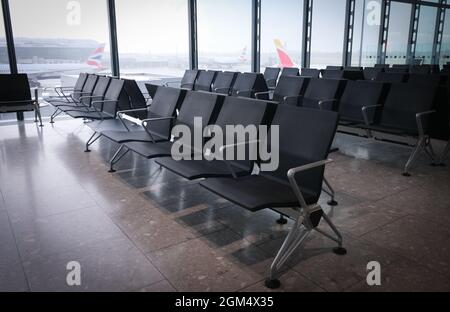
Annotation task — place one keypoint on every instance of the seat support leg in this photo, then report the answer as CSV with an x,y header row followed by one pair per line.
x,y
338,239
37,115
116,158
92,141
419,147
294,239
332,201
55,114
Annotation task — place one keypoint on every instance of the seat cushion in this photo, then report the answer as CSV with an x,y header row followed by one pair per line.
x,y
111,125
256,192
196,169
138,135
150,150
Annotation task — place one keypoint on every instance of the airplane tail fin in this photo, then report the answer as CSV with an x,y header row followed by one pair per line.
x,y
285,59
95,59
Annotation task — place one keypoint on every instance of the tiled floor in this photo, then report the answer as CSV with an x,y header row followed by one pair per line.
x,y
146,229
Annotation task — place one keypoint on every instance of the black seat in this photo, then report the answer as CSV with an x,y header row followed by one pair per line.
x,y
296,183
310,72
74,98
151,89
199,105
106,106
205,80
354,68
156,123
289,90
434,79
15,95
63,93
357,95
330,67
224,82
271,75
398,69
421,69
235,111
371,73
332,74
247,84
290,71
381,66
322,93
188,81
98,93
406,112
391,77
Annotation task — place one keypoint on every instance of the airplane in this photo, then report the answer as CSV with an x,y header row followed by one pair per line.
x,y
229,62
44,71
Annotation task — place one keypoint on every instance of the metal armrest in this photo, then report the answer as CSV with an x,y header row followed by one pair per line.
x,y
222,89
223,148
172,82
239,92
295,187
321,103
258,94
145,121
419,120
18,102
122,112
91,97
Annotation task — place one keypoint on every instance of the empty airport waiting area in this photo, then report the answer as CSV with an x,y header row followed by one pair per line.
x,y
225,146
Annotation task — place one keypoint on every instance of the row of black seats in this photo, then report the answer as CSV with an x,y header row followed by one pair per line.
x,y
15,96
96,97
414,109
296,182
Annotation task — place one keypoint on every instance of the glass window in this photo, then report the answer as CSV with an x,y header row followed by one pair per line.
x,y
445,48
327,38
425,34
56,40
152,38
224,34
397,43
281,33
366,32
4,62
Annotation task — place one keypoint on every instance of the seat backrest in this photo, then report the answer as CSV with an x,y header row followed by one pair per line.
x,y
271,76
88,87
136,98
305,136
247,84
117,93
189,79
164,104
334,67
332,74
370,73
80,82
100,89
403,102
14,87
356,68
238,111
381,66
199,104
434,79
290,71
151,89
420,69
353,74
391,77
321,89
358,94
310,72
224,82
290,86
205,80
398,69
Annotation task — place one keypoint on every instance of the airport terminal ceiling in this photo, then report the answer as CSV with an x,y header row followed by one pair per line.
x,y
155,42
